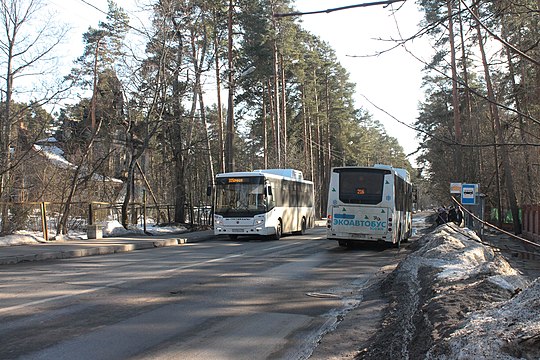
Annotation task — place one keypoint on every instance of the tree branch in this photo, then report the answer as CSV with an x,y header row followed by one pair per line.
x,y
327,11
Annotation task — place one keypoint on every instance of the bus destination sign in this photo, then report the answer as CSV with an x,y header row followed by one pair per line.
x,y
236,180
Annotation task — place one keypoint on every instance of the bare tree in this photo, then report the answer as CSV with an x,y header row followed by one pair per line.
x,y
25,45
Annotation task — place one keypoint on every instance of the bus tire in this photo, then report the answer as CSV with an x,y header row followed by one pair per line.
x,y
407,235
279,231
397,244
302,230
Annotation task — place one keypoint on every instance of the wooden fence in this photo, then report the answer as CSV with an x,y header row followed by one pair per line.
x,y
531,222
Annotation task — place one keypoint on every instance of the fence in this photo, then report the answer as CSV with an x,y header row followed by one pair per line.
x,y
531,222
44,217
142,214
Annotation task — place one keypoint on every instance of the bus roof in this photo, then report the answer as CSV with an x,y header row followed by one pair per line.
x,y
290,174
402,173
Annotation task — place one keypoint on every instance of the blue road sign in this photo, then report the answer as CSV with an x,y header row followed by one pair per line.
x,y
468,194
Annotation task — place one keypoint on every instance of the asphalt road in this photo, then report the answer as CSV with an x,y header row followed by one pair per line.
x,y
219,299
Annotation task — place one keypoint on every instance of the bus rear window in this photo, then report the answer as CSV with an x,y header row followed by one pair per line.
x,y
361,186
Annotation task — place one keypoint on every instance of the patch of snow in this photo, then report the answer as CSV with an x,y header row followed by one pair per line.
x,y
21,238
98,177
501,332
51,139
499,329
111,228
55,155
114,228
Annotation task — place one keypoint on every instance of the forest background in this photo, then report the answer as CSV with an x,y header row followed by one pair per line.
x,y
129,122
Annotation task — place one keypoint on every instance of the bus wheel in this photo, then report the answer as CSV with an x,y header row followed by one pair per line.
x,y
407,236
279,230
233,237
343,243
302,230
397,245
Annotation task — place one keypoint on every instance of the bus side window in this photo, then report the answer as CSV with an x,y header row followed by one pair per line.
x,y
270,198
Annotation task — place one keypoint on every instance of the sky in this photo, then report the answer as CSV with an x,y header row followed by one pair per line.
x,y
388,85
390,81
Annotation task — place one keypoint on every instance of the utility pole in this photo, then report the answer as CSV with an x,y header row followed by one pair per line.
x,y
229,136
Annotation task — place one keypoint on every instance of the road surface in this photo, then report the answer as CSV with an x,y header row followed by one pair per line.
x,y
219,299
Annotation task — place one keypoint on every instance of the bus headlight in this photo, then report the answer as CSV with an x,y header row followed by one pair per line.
x,y
258,222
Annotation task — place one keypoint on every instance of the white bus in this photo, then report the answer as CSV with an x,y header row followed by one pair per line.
x,y
369,204
263,202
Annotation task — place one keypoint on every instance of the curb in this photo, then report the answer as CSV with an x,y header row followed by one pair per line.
x,y
101,250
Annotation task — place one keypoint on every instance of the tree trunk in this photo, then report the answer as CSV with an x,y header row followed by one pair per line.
x,y
265,131
477,159
277,110
319,144
509,180
197,64
273,123
522,132
229,137
219,108
307,168
129,193
455,98
283,110
179,190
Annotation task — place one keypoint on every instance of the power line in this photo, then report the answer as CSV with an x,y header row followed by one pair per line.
x,y
105,12
327,11
450,142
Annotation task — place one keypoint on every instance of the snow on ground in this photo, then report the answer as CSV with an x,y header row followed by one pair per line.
x,y
508,330
456,298
22,238
110,229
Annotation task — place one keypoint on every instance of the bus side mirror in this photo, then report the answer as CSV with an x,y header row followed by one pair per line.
x,y
269,191
209,190
415,195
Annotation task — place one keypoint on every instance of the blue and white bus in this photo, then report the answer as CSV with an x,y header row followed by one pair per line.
x,y
263,202
369,204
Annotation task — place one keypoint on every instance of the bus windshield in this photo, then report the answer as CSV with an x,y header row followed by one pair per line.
x,y
361,186
240,196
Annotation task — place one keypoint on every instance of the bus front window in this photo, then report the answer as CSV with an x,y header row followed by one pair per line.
x,y
245,197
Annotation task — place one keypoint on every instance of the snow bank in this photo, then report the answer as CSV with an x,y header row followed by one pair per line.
x,y
454,297
509,330
110,229
114,228
21,238
506,329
